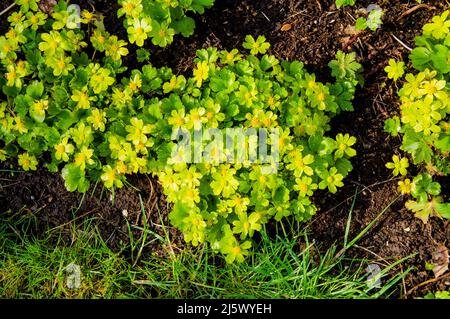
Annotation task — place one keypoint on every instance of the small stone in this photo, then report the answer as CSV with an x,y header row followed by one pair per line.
x,y
407,229
125,213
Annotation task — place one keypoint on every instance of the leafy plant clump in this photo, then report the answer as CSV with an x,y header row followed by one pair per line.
x,y
424,122
226,204
81,115
160,20
72,112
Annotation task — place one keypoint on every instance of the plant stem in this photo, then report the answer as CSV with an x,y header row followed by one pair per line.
x,y
7,9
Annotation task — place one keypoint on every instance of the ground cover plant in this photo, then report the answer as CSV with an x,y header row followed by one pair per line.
x,y
97,128
159,20
119,113
424,121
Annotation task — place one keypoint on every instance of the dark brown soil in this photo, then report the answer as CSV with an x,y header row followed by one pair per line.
x,y
317,31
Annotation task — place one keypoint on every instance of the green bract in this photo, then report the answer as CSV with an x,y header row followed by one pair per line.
x,y
160,20
424,123
83,117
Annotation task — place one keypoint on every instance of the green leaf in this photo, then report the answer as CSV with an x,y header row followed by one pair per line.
x,y
343,3
417,147
35,90
443,210
281,195
223,81
361,24
142,55
22,104
267,62
443,144
185,26
420,57
393,126
60,95
344,166
65,120
425,186
74,179
440,58
200,5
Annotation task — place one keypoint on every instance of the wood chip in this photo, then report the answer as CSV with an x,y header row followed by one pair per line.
x,y
286,27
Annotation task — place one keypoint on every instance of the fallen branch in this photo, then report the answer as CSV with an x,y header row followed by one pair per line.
x,y
413,9
426,283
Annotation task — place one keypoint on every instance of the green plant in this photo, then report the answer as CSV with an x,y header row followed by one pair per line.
x,y
438,295
76,110
160,20
373,20
80,115
344,3
282,267
424,121
215,202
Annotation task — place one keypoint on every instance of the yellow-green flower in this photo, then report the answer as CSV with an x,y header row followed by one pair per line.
x,y
246,225
439,28
236,252
405,187
84,157
138,32
196,118
115,48
100,79
230,57
97,119
16,18
27,161
83,99
7,48
299,163
399,165
137,131
87,16
256,46
194,229
15,73
99,40
19,125
135,83
60,64
305,186
36,19
111,177
395,70
63,150
201,72
51,43
26,5
177,118
130,8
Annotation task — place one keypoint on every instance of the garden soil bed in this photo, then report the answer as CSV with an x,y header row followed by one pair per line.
x,y
314,31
